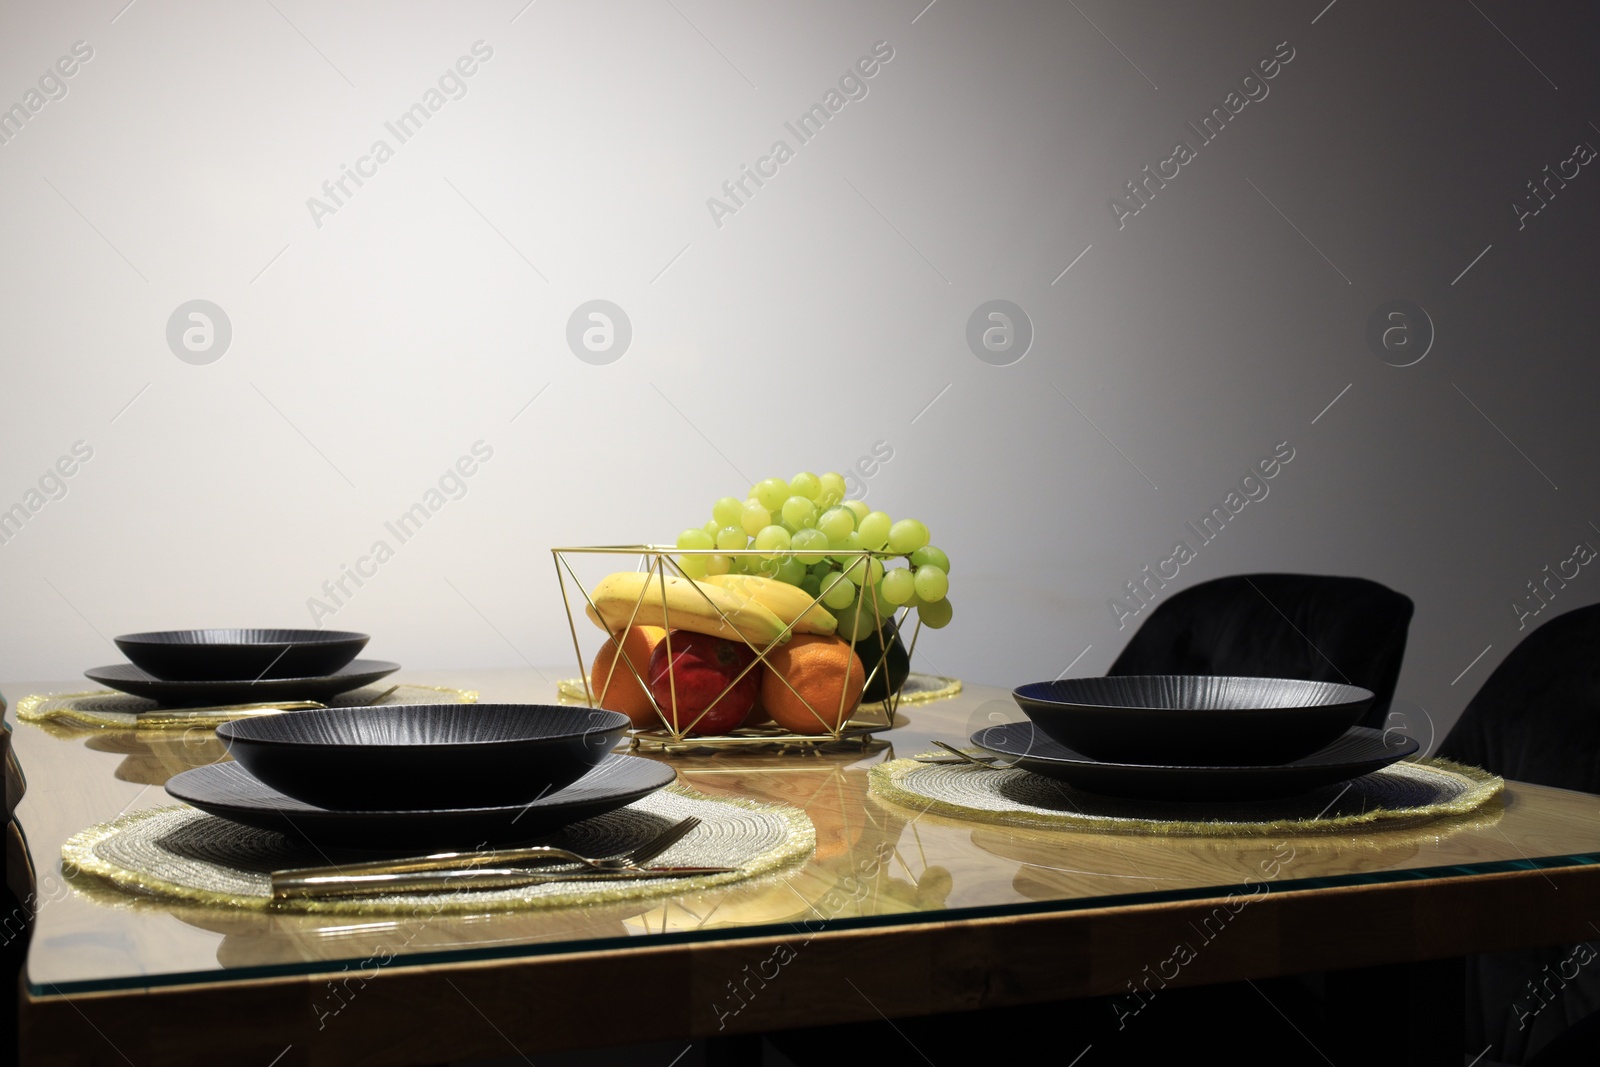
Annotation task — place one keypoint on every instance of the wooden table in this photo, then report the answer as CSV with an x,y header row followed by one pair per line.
x,y
898,914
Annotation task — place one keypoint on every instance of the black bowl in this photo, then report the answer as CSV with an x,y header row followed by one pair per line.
x,y
408,757
240,655
1193,720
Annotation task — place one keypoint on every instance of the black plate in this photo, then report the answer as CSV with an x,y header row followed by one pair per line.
x,y
130,679
224,655
231,792
1193,719
1360,751
400,757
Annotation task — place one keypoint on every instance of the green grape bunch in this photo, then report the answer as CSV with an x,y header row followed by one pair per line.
x,y
810,536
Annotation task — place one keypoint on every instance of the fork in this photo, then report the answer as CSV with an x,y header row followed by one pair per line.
x,y
313,881
991,763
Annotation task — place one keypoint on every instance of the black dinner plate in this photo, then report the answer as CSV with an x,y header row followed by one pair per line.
x,y
231,792
1360,751
130,679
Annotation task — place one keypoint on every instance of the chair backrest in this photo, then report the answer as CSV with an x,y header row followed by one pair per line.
x,y
1537,718
1318,627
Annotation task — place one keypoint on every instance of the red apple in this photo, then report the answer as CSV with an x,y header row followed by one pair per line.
x,y
700,672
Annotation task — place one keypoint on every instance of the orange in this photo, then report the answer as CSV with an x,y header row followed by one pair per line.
x,y
823,672
624,693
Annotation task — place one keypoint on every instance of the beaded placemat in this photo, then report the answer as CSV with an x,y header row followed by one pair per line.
x,y
180,853
107,709
1399,794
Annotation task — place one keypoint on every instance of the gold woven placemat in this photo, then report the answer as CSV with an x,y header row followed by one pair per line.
x,y
1401,793
106,709
180,853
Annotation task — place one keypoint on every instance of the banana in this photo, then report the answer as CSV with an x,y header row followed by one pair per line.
x,y
789,603
682,605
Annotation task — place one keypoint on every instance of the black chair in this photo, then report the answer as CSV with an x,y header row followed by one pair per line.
x,y
16,918
1537,719
1318,627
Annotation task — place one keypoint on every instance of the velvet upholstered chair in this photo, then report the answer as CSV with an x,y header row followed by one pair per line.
x,y
1537,719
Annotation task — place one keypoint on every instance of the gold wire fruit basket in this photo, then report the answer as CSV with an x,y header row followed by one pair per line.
x,y
666,732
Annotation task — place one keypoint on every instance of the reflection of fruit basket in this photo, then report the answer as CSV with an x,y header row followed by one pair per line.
x,y
779,632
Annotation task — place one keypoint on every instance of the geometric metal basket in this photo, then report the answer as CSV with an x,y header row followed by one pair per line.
x,y
660,562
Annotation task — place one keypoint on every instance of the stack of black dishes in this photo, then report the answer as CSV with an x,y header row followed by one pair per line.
x,y
1194,737
187,668
422,776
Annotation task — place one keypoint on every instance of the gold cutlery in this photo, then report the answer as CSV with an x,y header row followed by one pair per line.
x,y
473,878
266,707
991,763
269,707
378,875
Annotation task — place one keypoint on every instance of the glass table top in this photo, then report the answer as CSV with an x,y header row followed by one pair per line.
x,y
876,864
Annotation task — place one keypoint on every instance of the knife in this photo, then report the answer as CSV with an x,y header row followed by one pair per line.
x,y
265,707
473,878
241,710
